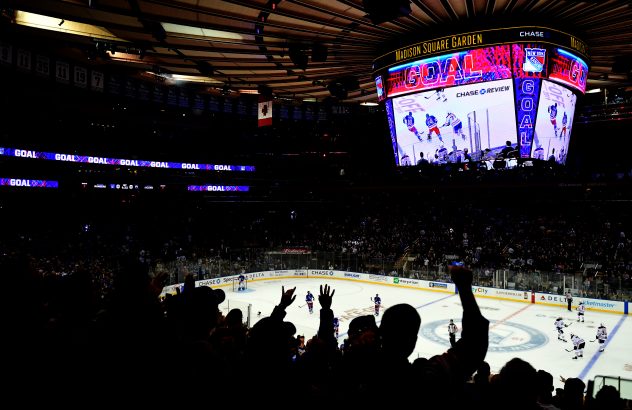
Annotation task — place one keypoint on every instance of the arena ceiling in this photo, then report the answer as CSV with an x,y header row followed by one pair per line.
x,y
238,45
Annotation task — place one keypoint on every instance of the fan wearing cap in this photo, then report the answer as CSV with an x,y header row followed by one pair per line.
x,y
578,345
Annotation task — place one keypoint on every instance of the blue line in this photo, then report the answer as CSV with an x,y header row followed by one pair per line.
x,y
417,308
597,354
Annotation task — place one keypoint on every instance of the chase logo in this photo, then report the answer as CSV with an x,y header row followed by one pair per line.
x,y
534,60
504,337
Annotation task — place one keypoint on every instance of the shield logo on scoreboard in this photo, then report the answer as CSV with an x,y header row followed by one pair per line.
x,y
534,60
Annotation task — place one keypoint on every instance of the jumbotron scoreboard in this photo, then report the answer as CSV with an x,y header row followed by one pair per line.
x,y
469,94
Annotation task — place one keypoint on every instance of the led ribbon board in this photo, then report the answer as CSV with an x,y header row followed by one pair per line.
x,y
54,156
28,183
218,188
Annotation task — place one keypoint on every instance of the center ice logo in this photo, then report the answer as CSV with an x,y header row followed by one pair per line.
x,y
534,60
504,337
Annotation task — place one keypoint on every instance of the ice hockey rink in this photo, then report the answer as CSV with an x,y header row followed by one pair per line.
x,y
517,329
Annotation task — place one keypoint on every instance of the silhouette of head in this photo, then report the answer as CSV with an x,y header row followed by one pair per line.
x,y
399,328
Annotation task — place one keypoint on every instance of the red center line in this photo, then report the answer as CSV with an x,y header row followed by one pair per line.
x,y
499,322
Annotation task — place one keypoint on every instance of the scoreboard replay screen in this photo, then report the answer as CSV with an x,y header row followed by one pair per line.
x,y
502,93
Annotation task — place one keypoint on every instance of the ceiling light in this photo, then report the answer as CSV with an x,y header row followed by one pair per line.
x,y
43,22
199,31
369,104
247,91
594,91
193,78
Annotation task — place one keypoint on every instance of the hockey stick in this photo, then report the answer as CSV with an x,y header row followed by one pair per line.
x,y
569,350
301,306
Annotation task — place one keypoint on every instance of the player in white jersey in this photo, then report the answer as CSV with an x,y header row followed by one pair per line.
x,y
455,122
580,311
538,153
405,161
559,325
578,345
602,335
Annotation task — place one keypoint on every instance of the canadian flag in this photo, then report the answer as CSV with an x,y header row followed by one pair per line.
x,y
265,111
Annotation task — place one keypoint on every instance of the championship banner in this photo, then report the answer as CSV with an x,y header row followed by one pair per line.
x,y
265,111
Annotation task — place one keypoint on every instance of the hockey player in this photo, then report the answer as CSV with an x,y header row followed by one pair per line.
x,y
405,161
431,122
564,121
378,302
580,311
442,154
456,123
538,153
578,345
242,282
553,115
602,335
441,95
336,326
559,325
409,120
309,299
452,329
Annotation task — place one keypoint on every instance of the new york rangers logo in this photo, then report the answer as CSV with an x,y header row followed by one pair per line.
x,y
534,60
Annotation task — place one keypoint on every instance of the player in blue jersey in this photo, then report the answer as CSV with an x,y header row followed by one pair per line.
x,y
456,124
309,299
431,123
336,326
564,122
409,120
242,282
378,302
553,115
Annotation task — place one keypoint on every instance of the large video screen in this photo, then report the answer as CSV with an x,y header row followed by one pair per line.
x,y
501,102
553,125
463,67
447,125
568,69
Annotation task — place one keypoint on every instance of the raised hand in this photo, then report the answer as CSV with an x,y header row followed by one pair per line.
x,y
325,298
286,296
461,276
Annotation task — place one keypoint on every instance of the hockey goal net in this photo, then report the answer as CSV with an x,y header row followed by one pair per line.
x,y
237,287
230,304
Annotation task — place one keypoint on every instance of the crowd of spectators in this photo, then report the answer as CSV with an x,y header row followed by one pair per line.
x,y
68,346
